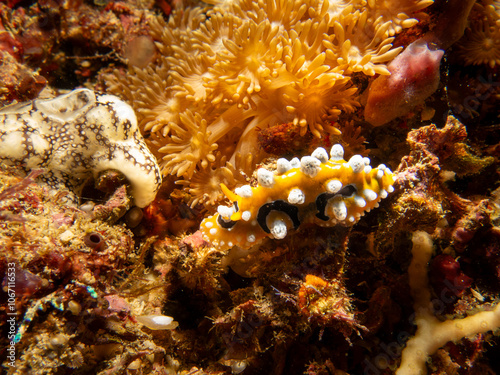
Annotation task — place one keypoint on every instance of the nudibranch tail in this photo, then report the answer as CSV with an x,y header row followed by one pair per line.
x,y
325,190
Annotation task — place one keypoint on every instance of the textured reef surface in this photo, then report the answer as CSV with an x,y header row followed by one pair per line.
x,y
250,187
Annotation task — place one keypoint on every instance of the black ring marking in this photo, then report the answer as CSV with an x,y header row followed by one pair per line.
x,y
347,191
225,224
322,200
228,224
278,205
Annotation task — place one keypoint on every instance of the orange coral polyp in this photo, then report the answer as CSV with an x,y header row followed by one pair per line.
x,y
205,186
184,153
361,51
481,44
313,105
282,13
246,63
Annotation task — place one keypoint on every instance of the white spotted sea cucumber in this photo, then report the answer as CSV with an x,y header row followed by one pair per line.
x,y
78,135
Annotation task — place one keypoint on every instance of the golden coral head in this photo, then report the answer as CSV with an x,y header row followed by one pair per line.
x,y
244,65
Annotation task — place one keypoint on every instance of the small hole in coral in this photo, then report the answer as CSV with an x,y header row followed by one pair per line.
x,y
94,240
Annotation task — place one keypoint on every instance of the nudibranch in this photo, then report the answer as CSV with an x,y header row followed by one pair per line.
x,y
324,190
78,135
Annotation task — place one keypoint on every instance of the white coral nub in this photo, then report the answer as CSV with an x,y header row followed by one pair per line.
x,y
339,210
359,201
295,163
320,154
333,186
244,191
278,229
370,195
246,215
225,212
357,163
283,166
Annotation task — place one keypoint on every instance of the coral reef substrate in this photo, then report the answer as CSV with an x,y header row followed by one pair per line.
x,y
222,90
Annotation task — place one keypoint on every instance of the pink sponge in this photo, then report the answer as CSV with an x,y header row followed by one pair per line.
x,y
414,77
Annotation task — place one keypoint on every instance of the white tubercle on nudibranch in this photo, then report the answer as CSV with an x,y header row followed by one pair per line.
x,y
78,135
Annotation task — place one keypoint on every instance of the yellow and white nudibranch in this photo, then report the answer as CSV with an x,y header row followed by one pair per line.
x,y
318,189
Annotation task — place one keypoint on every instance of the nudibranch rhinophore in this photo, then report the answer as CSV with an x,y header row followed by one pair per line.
x,y
77,135
326,191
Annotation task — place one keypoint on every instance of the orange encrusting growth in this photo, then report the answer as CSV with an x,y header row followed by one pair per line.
x,y
318,189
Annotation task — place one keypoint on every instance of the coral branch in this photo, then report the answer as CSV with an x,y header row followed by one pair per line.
x,y
432,333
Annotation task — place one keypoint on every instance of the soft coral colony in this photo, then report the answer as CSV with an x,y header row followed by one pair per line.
x,y
226,71
481,42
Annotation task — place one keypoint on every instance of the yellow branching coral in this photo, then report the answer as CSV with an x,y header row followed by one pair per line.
x,y
227,71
